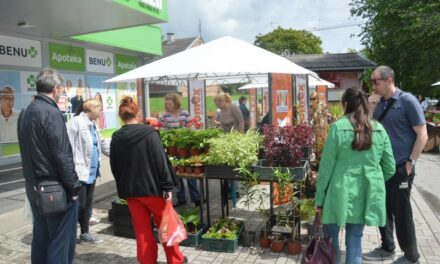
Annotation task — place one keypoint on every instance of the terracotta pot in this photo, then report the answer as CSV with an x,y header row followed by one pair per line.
x,y
198,170
294,247
180,169
183,153
188,170
195,152
278,245
172,151
264,242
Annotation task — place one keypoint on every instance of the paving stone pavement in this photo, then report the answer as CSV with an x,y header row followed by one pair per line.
x,y
15,245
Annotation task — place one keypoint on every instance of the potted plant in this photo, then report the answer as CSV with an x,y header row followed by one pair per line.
x,y
284,179
228,151
307,214
174,162
183,141
198,164
250,193
191,220
294,245
180,164
284,147
189,165
265,216
169,140
222,236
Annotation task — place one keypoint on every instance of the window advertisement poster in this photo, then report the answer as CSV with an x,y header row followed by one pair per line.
x,y
74,91
322,93
265,101
106,94
196,89
124,89
20,52
301,99
11,104
253,107
99,61
282,102
66,57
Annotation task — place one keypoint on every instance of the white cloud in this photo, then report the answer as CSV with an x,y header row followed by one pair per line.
x,y
244,19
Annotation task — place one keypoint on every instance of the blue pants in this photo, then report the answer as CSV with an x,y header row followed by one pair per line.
x,y
353,241
193,190
54,237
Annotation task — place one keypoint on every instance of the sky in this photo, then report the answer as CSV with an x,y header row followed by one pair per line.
x,y
244,19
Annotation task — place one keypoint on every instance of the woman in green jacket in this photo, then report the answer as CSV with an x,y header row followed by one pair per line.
x,y
356,161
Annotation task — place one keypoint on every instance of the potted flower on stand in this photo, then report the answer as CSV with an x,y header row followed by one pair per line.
x,y
284,179
180,164
294,245
250,193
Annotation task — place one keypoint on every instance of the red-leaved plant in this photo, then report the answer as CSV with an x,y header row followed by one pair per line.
x,y
283,146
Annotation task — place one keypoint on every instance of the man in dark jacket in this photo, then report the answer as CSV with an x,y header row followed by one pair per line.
x,y
47,155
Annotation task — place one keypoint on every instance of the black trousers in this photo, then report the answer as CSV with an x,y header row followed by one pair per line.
x,y
399,212
85,206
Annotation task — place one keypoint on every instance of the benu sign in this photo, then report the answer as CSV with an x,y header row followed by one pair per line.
x,y
20,52
98,61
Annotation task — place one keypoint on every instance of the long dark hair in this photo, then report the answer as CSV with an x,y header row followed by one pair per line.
x,y
356,108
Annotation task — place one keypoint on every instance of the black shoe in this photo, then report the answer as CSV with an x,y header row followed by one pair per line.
x,y
179,203
185,260
197,203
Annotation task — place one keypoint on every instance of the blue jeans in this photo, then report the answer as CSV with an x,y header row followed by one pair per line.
x,y
193,190
353,241
54,237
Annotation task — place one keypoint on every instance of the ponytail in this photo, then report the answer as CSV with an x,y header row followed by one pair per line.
x,y
359,115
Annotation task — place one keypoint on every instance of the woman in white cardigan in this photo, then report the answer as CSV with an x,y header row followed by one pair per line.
x,y
87,146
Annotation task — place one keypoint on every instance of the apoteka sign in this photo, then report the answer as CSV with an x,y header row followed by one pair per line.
x,y
20,52
98,61
65,57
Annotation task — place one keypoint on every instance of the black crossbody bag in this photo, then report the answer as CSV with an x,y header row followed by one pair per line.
x,y
51,197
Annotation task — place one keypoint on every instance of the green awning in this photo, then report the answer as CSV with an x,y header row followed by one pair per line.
x,y
146,39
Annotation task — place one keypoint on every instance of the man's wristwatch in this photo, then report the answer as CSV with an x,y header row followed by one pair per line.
x,y
413,162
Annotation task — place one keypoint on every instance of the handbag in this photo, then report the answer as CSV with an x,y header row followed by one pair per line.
x,y
51,198
320,249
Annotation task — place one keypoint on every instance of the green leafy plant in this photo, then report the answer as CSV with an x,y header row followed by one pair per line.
x,y
190,219
262,211
225,228
234,149
336,111
307,209
248,186
284,180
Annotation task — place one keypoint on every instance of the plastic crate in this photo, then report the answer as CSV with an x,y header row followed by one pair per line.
x,y
266,172
221,244
220,172
194,240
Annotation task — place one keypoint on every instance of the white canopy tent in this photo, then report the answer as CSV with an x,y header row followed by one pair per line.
x,y
434,84
220,59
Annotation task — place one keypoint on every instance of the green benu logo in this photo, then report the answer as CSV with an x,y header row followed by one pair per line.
x,y
109,102
31,81
108,61
33,52
132,85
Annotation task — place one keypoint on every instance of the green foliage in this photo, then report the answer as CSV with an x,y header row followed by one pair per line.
x,y
336,111
190,216
307,209
234,149
405,35
225,228
289,41
284,180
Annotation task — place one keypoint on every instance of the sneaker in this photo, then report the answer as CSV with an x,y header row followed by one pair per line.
x,y
403,260
88,238
94,220
378,254
185,260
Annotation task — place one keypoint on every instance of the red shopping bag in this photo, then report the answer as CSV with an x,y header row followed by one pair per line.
x,y
171,229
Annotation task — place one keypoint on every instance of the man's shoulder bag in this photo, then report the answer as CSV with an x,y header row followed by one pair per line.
x,y
51,198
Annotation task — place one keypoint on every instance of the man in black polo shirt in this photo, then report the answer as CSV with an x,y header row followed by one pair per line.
x,y
402,116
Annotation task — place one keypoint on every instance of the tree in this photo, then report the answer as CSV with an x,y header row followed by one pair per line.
x,y
404,34
289,41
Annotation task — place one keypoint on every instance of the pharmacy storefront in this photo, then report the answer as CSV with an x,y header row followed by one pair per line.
x,y
83,64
